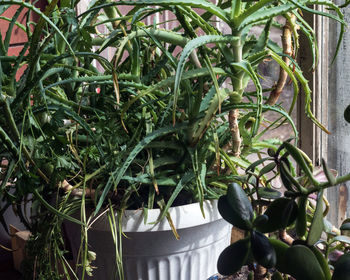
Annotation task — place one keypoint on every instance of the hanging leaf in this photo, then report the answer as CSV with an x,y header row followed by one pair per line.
x,y
233,257
281,213
342,268
280,250
300,225
236,208
317,222
347,114
303,264
322,261
262,250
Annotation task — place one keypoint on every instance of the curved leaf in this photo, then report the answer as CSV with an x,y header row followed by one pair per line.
x,y
233,257
342,268
280,250
300,225
189,48
303,264
117,174
282,212
317,222
262,250
236,208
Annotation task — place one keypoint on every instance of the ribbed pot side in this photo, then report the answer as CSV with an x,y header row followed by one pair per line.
x,y
151,252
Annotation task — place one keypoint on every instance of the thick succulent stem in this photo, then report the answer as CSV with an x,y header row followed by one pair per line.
x,y
283,76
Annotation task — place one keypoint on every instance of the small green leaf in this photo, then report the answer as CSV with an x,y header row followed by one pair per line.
x,y
256,163
233,257
342,268
268,193
317,222
267,168
303,264
263,252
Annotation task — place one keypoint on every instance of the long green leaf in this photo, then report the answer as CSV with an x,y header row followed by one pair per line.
x,y
317,222
189,48
118,173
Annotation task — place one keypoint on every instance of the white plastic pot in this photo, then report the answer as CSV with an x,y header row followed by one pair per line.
x,y
151,252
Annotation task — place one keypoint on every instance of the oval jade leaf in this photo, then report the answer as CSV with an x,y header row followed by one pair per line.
x,y
316,227
345,226
303,264
230,215
262,250
268,193
282,212
240,205
342,268
260,220
233,257
280,250
347,114
267,168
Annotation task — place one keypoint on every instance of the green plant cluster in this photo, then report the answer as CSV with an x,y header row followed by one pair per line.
x,y
315,249
146,127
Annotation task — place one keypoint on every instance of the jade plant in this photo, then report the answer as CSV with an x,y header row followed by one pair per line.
x,y
168,119
287,235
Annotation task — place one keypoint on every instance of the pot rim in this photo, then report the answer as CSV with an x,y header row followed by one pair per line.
x,y
184,216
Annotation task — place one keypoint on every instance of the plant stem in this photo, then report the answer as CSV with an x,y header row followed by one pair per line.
x,y
287,49
236,138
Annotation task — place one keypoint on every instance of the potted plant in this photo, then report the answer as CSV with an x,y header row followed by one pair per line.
x,y
286,235
146,128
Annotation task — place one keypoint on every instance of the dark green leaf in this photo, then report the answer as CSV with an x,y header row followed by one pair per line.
x,y
347,114
322,261
262,249
233,257
342,268
267,168
240,204
300,225
282,212
345,226
260,220
233,215
303,264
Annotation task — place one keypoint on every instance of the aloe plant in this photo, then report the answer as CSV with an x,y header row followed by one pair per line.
x,y
166,120
287,235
